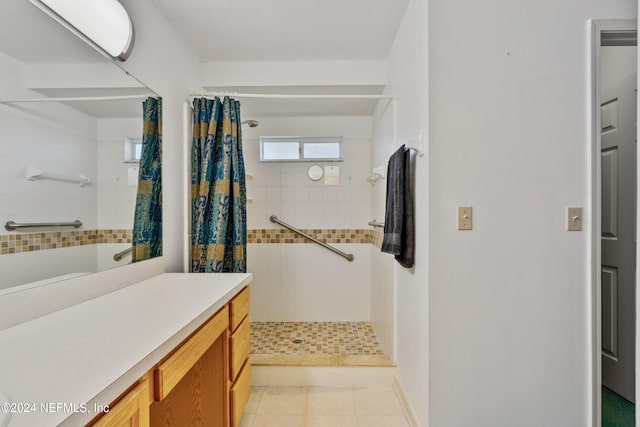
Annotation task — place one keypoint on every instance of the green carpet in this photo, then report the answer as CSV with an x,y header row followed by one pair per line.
x,y
616,411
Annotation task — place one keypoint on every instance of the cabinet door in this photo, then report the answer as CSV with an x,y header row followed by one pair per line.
x,y
239,345
200,398
240,393
131,411
170,372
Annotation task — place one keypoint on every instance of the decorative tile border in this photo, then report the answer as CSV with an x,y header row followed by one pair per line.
x,y
279,235
376,237
30,242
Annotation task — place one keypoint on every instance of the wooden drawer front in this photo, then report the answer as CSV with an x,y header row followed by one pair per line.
x,y
240,393
173,369
239,307
131,411
240,344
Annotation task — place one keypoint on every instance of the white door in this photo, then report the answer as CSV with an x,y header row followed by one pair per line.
x,y
618,138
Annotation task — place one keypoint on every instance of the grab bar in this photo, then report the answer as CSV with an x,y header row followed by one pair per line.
x,y
275,219
12,226
120,255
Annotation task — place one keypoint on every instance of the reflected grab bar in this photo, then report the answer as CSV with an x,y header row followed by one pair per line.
x,y
12,226
120,255
275,219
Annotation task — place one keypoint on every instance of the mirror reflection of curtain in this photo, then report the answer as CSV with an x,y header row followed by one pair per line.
x,y
218,192
147,224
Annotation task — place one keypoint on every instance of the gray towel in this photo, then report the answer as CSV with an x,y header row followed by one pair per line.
x,y
399,236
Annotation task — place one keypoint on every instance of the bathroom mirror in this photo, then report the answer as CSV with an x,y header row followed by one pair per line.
x,y
315,173
63,161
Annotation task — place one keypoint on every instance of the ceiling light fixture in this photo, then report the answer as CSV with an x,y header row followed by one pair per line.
x,y
103,24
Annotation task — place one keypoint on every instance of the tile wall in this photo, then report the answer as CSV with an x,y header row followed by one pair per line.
x,y
63,141
56,139
294,280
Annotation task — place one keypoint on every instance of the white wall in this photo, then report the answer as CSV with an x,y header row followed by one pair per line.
x,y
51,137
508,310
285,190
408,84
302,281
307,283
116,197
56,139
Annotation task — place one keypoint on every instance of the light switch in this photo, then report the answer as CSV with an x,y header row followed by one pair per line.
x,y
465,218
574,219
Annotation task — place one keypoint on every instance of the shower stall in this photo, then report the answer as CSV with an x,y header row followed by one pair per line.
x,y
322,293
315,303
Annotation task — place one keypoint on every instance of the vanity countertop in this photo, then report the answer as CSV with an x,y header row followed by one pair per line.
x,y
58,365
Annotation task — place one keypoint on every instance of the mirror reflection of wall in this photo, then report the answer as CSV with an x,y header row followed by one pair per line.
x,y
40,59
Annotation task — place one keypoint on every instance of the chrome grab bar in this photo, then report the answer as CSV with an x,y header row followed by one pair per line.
x,y
375,223
12,226
120,255
275,219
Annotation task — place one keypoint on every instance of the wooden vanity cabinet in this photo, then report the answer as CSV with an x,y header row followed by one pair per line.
x,y
205,381
131,410
240,365
190,385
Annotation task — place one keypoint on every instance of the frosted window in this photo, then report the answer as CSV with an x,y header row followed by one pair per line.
x,y
132,150
280,150
321,150
300,149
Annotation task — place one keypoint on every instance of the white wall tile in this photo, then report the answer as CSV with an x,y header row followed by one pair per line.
x,y
308,283
309,279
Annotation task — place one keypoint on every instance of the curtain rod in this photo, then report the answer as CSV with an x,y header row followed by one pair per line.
x,y
288,96
77,98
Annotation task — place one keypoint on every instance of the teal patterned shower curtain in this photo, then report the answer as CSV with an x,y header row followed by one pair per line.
x,y
218,192
147,224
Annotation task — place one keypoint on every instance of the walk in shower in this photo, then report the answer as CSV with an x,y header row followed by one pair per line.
x,y
311,305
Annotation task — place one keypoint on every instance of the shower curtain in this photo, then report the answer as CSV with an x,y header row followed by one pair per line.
x,y
218,192
147,225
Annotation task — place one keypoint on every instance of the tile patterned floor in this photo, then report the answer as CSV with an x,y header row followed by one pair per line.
x,y
355,338
376,406
316,344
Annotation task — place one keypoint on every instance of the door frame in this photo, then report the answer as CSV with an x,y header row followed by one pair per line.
x,y
594,225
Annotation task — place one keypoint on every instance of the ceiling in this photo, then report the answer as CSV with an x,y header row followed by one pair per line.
x,y
53,44
230,31
261,107
286,30
103,109
50,44
294,31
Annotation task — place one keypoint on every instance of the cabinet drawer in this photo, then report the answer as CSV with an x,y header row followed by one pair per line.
x,y
239,308
240,393
131,410
240,344
169,373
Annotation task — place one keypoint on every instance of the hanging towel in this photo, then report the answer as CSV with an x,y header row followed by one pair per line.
x,y
399,236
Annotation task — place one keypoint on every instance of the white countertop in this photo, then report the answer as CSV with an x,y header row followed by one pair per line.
x,y
90,353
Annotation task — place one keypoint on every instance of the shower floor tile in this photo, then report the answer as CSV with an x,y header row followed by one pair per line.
x,y
316,344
